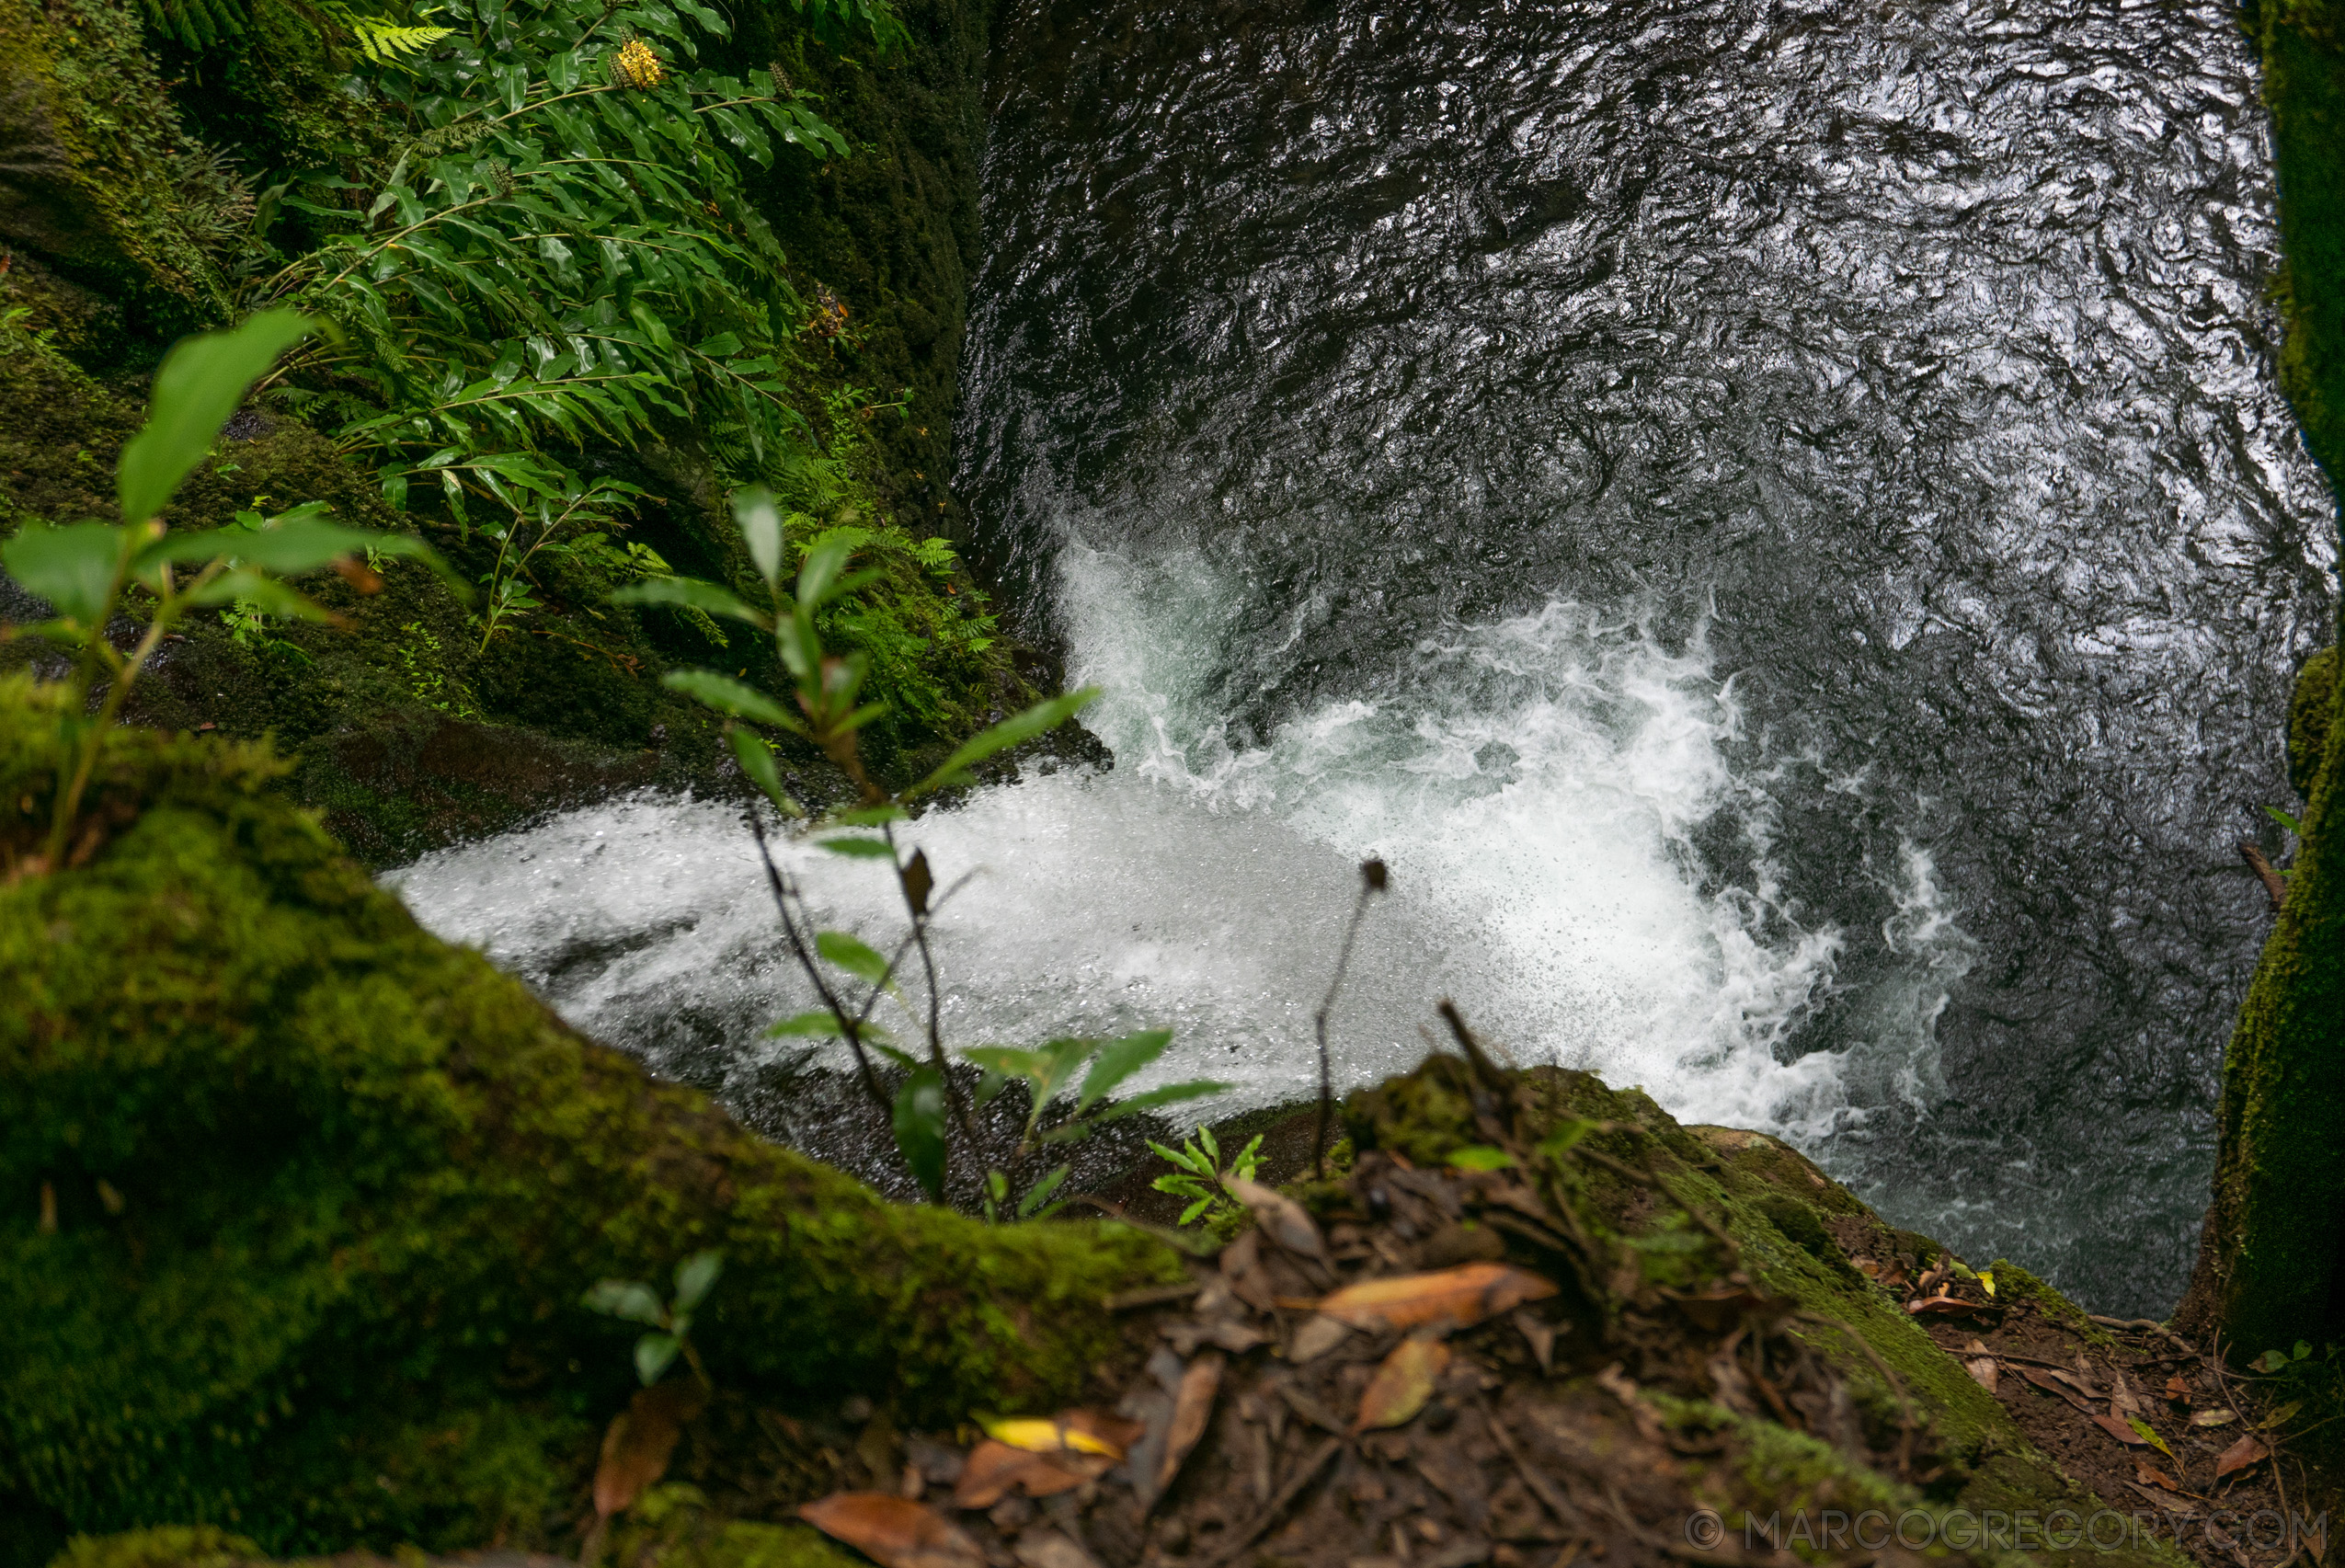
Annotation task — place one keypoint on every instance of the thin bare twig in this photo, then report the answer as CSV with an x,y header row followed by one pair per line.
x,y
1372,882
1484,1068
2275,887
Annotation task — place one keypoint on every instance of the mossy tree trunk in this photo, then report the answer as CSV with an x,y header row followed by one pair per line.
x,y
2272,1261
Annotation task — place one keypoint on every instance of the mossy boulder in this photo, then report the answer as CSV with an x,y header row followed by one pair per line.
x,y
102,179
1791,1224
306,1200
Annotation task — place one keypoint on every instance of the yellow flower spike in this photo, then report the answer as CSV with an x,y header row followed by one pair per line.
x,y
635,65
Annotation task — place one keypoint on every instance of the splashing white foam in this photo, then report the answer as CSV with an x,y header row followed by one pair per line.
x,y
1535,784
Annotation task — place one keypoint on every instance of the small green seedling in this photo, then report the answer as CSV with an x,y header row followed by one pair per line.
x,y
671,1325
1198,1174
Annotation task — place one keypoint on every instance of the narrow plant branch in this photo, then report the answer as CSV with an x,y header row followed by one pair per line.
x,y
849,1026
1373,878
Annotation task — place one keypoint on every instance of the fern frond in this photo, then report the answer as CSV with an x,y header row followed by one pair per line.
x,y
198,23
384,41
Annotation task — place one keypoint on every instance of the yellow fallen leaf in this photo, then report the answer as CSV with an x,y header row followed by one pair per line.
x,y
1075,1431
1402,1384
1987,1282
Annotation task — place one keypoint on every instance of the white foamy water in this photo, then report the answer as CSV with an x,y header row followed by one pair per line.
x,y
1536,785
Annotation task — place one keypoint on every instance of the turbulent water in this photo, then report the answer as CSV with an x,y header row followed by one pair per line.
x,y
1775,518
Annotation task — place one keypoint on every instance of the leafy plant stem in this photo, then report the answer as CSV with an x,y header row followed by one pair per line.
x,y
918,907
849,1025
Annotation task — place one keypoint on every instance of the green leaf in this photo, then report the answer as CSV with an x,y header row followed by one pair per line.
x,y
1039,1194
920,1129
1008,1062
820,570
821,1023
2269,1362
727,695
1036,720
71,567
201,383
694,1278
628,1298
1119,1060
851,954
871,817
860,848
990,1086
289,544
1481,1157
1171,1094
761,527
249,587
2142,1429
689,593
1059,1059
1189,1214
757,761
2292,824
653,1352
1557,1143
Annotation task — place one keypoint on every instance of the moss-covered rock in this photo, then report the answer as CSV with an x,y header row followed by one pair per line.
x,y
1751,1183
102,179
323,1193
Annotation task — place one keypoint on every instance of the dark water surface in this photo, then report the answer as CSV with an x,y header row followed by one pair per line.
x,y
1835,447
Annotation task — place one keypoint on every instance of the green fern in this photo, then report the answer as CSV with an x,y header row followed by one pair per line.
x,y
198,23
384,41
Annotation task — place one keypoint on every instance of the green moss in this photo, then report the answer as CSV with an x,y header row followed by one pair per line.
x,y
2304,85
2312,711
166,1546
2272,1261
100,168
360,1181
2014,1285
673,1526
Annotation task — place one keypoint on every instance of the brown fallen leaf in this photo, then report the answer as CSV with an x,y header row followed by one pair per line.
x,y
1982,1372
2119,1431
1946,1307
1192,1408
995,1468
1241,1267
642,1439
2149,1474
893,1531
1401,1384
2055,1382
2213,1417
1282,1219
1318,1335
2177,1390
2249,1450
1540,1336
1458,1298
2170,1505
